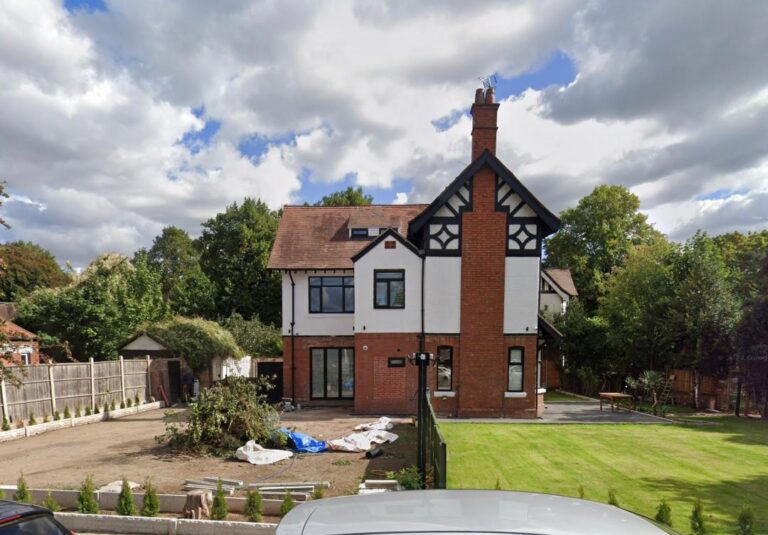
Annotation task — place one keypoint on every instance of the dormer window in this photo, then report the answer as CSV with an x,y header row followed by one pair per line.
x,y
358,233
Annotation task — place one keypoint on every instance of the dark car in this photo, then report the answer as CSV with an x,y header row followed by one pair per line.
x,y
24,519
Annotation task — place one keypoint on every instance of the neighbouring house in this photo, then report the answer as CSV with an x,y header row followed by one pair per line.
x,y
556,291
365,287
20,345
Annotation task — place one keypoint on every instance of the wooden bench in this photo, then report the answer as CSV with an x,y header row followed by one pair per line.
x,y
614,398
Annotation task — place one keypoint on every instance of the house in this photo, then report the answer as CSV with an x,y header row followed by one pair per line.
x,y
557,289
20,345
365,287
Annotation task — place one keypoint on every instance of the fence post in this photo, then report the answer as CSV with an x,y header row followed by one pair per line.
x,y
53,389
122,376
148,393
93,386
4,400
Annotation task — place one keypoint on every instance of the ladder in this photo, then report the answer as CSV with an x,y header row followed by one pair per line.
x,y
666,391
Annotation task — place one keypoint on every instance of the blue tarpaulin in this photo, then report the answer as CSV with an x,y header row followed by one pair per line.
x,y
304,443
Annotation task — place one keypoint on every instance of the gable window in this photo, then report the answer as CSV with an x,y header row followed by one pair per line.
x,y
445,368
333,373
329,295
389,288
515,370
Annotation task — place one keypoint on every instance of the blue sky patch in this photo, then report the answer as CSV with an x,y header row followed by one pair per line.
x,y
198,139
312,191
444,123
87,6
256,146
721,194
559,69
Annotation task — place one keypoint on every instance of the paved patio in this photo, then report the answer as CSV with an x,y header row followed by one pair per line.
x,y
578,412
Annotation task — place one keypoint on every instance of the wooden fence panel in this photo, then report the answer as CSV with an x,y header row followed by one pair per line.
x,y
73,386
107,382
33,396
136,378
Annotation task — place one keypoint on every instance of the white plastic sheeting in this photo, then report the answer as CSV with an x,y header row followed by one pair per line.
x,y
382,424
361,441
255,454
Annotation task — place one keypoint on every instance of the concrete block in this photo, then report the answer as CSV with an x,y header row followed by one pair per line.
x,y
13,434
117,524
223,527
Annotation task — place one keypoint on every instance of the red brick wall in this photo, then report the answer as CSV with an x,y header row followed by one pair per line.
x,y
379,388
445,406
34,357
522,407
303,379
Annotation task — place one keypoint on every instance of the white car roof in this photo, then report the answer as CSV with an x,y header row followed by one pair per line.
x,y
462,511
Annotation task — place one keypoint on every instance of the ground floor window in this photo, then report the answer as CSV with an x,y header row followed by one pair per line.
x,y
444,368
540,383
515,370
333,373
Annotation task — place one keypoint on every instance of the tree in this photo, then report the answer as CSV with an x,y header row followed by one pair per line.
x,y
175,256
752,345
86,498
635,305
744,254
596,236
255,338
3,196
150,504
199,341
235,247
588,361
125,503
25,267
704,311
99,309
254,508
348,197
219,507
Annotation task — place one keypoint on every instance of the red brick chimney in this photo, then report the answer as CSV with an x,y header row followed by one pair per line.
x,y
484,127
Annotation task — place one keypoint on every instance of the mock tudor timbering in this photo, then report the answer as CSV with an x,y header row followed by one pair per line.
x,y
459,278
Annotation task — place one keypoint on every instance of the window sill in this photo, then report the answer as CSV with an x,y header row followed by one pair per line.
x,y
443,394
515,394
541,391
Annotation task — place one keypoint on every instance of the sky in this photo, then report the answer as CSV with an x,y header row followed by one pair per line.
x,y
119,117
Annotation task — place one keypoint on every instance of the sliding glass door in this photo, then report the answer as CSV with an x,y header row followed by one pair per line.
x,y
333,373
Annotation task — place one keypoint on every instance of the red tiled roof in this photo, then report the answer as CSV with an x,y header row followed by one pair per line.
x,y
317,237
562,277
14,332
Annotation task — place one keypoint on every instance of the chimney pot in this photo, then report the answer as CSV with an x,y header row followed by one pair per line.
x,y
479,98
489,95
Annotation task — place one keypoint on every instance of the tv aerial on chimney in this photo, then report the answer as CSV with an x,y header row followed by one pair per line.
x,y
489,82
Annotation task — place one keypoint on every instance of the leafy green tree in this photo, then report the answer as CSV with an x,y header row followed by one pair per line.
x,y
254,508
100,309
86,498
704,311
254,337
348,197
125,504
176,257
195,339
22,493
752,345
3,196
219,507
595,237
150,503
235,247
744,254
26,267
584,344
635,305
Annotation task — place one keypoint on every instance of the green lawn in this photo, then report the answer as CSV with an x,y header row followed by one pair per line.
x,y
725,464
555,395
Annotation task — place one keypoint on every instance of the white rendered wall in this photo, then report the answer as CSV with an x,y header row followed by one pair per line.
x,y
442,295
312,324
397,320
521,294
553,302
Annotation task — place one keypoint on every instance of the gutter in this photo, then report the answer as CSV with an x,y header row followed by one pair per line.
x,y
293,337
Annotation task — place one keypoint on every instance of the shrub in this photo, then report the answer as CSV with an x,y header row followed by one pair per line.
x,y
56,416
287,505
32,420
318,493
697,519
151,504
2,494
87,411
67,414
254,508
122,405
125,505
612,498
6,425
136,400
224,417
746,521
498,484
664,513
46,419
409,478
86,499
50,503
219,508
22,493
129,403
582,494
111,406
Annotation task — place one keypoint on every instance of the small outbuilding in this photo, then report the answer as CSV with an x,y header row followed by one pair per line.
x,y
21,345
166,368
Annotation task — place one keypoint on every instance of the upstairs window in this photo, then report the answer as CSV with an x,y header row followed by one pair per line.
x,y
358,233
515,370
389,288
331,295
